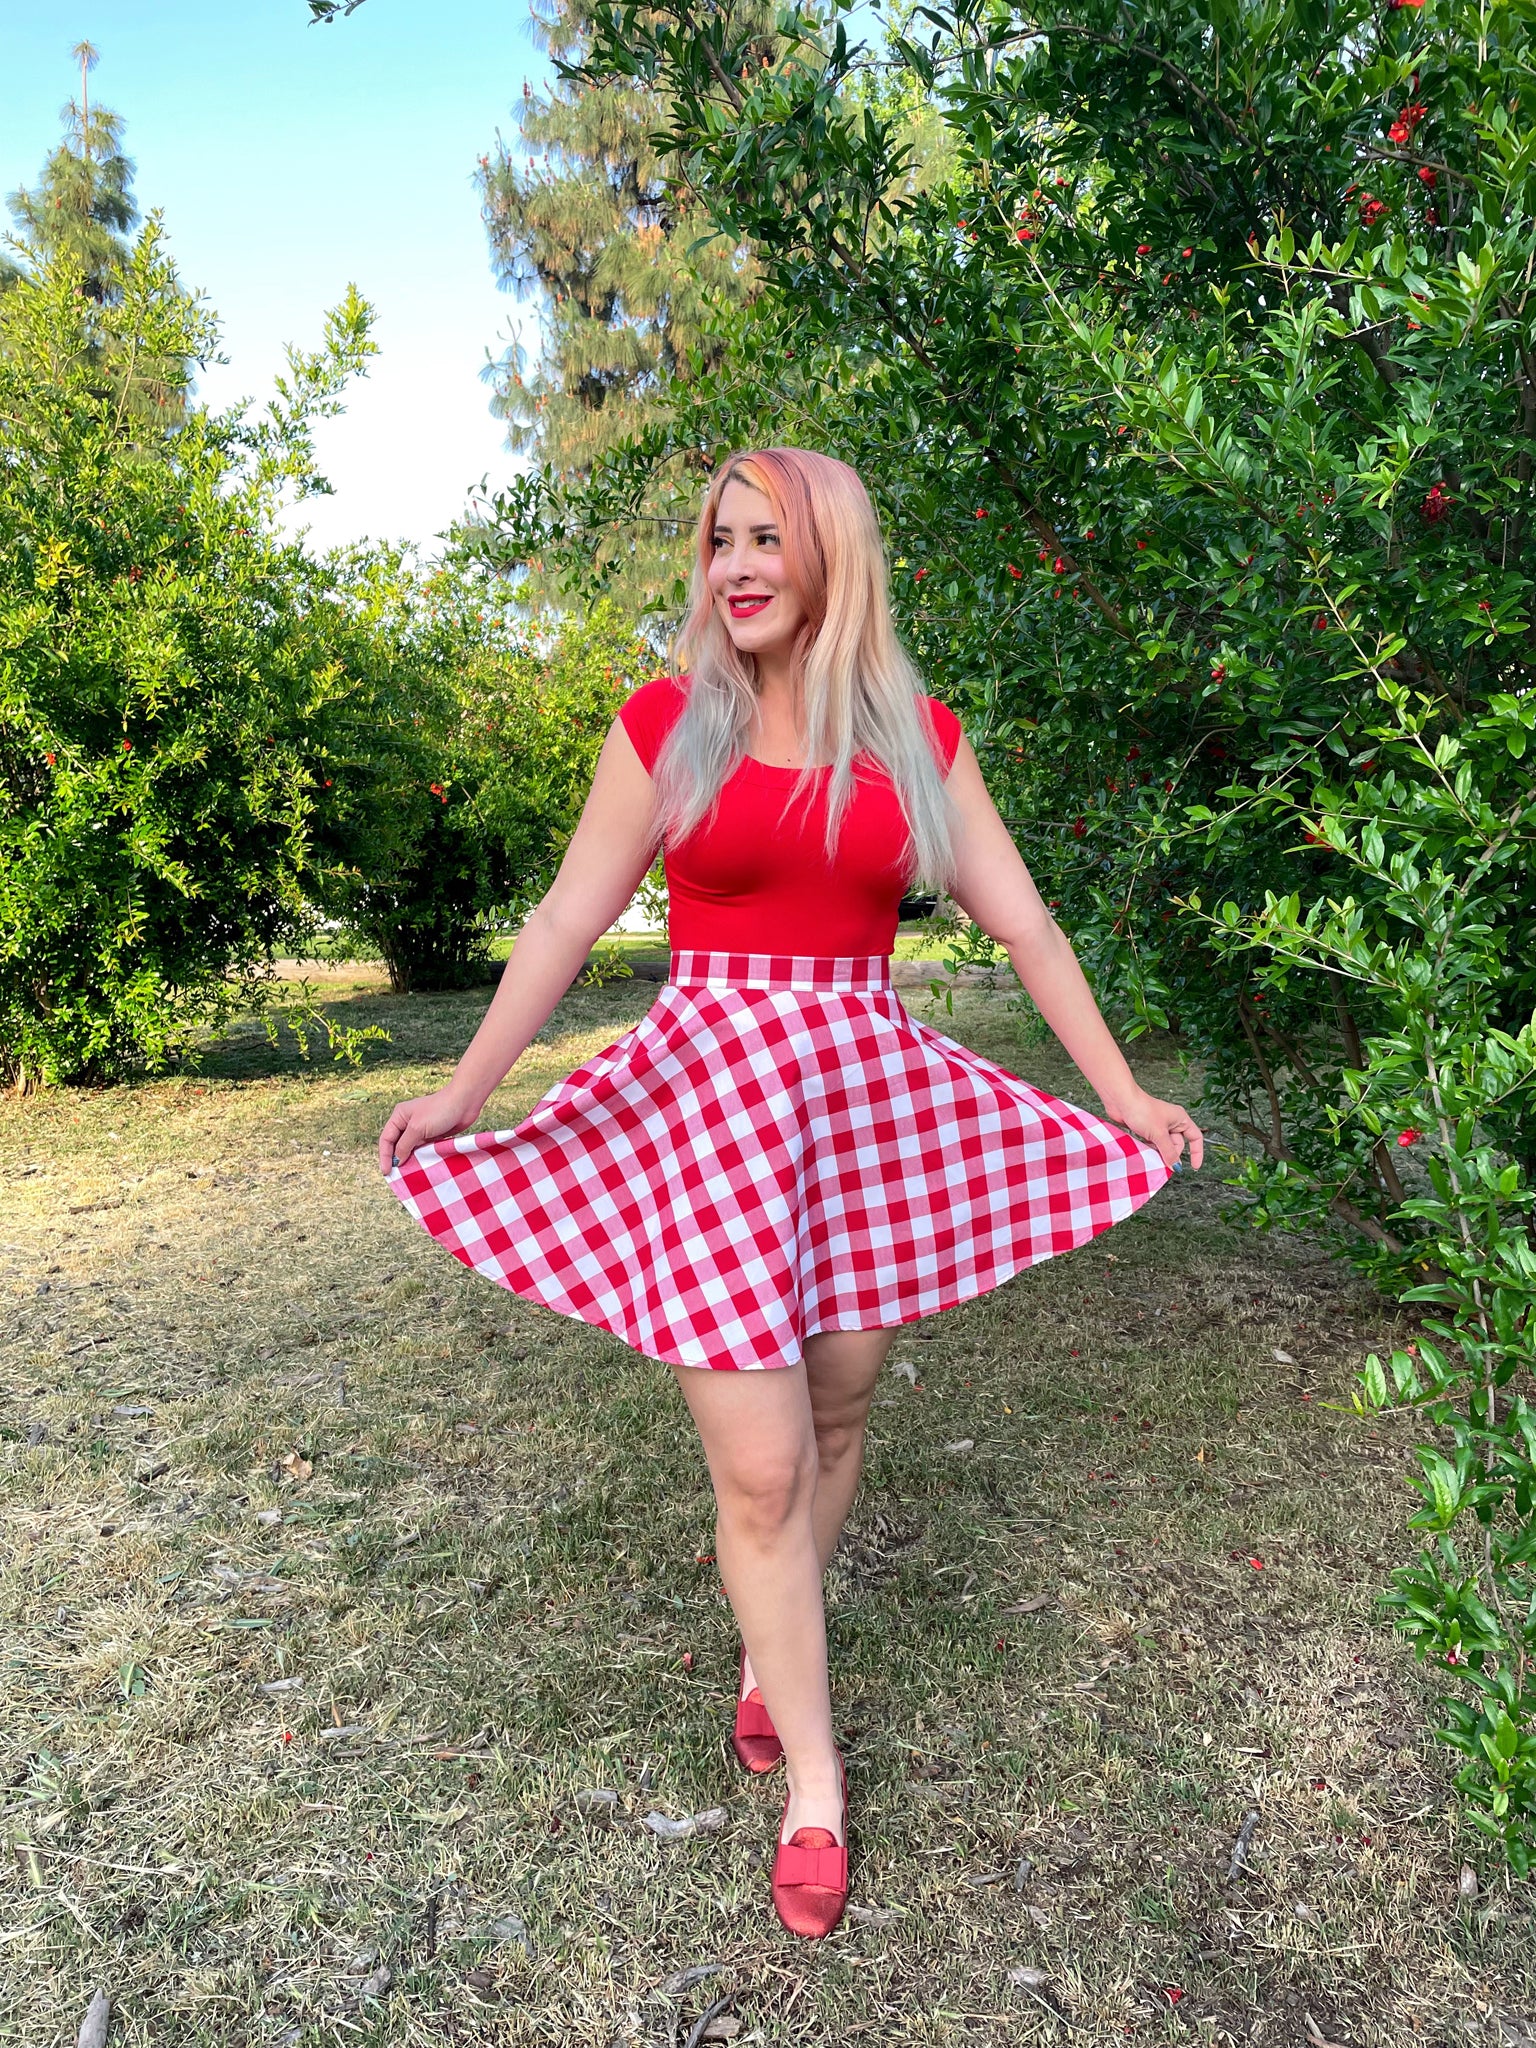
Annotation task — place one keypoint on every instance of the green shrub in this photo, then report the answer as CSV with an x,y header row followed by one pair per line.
x,y
158,781
457,825
212,743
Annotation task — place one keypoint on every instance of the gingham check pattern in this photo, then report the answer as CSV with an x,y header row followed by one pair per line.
x,y
777,1148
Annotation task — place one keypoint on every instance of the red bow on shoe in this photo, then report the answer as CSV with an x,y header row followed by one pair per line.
x,y
825,1865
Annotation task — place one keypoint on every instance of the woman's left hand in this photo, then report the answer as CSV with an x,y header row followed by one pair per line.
x,y
1166,1125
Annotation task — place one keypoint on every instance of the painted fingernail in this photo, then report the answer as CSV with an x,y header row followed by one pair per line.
x,y
393,1160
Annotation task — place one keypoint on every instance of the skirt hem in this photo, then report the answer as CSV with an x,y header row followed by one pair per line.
x,y
956,1299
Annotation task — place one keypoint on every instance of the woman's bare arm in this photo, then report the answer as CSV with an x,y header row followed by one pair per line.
x,y
996,891
604,864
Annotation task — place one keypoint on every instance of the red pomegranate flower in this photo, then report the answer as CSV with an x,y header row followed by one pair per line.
x,y
1409,1137
1428,176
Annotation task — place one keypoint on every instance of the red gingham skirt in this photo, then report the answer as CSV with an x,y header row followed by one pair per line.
x,y
777,1148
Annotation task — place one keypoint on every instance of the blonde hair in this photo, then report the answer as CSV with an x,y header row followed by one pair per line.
x,y
861,692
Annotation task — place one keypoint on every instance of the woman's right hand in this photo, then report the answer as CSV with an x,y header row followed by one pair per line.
x,y
442,1114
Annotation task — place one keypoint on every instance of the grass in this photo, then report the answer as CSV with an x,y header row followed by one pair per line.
x,y
259,1432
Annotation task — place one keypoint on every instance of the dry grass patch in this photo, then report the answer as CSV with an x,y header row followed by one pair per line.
x,y
348,1599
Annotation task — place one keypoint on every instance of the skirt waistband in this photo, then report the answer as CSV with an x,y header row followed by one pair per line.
x,y
693,969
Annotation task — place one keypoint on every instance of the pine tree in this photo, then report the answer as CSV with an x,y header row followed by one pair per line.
x,y
80,214
83,206
635,282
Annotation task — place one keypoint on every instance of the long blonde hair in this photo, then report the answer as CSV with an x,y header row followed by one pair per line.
x,y
861,692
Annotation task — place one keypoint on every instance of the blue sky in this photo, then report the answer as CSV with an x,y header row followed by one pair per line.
x,y
290,161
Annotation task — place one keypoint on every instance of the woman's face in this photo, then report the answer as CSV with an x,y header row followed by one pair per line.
x,y
759,606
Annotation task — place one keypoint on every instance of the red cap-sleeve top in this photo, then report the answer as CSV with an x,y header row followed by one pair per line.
x,y
752,879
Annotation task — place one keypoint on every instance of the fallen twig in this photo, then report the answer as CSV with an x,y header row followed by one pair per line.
x,y
684,1980
696,2031
1240,1847
98,2018
709,1822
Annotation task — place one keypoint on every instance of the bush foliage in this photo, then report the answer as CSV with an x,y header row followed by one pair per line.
x,y
157,709
457,825
211,741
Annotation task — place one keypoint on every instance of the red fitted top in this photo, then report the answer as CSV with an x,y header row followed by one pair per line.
x,y
745,882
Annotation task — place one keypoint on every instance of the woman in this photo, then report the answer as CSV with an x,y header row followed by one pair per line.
x,y
779,1166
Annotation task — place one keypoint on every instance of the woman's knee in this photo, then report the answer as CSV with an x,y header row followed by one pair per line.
x,y
763,1495
839,1436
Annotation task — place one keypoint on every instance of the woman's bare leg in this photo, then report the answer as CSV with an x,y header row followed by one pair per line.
x,y
842,1368
759,1438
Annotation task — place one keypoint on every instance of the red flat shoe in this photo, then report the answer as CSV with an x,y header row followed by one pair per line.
x,y
810,1875
754,1738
